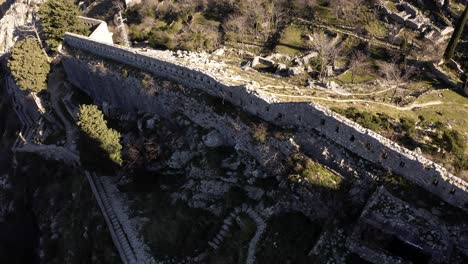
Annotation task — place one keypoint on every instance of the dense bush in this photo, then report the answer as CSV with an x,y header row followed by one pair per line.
x,y
408,126
260,132
58,17
28,65
454,143
369,120
92,123
162,39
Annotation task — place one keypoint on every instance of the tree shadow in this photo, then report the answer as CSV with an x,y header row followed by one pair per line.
x,y
93,157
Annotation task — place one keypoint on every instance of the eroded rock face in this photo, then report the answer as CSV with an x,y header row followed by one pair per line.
x,y
179,159
213,139
16,22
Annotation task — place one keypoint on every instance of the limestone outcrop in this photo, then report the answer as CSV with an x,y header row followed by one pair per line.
x,y
17,22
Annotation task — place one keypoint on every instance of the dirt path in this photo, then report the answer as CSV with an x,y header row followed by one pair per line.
x,y
372,40
401,108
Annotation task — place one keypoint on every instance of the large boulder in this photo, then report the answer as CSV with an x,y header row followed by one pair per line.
x,y
306,58
179,159
332,85
213,139
293,71
282,69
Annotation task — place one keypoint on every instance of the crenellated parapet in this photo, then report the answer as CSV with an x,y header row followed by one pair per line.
x,y
304,117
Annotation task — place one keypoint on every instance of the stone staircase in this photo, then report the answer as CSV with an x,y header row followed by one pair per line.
x,y
118,235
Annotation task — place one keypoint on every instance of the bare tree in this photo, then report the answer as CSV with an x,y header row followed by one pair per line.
x,y
327,50
235,27
396,75
346,8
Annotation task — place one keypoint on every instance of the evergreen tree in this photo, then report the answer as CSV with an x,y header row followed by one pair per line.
x,y
28,65
57,17
92,123
456,35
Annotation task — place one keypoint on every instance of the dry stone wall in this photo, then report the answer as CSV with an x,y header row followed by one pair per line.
x,y
305,117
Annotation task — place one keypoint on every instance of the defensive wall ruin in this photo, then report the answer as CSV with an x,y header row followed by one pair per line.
x,y
304,117
100,31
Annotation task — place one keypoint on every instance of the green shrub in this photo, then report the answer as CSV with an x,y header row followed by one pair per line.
x,y
365,119
159,38
28,65
136,34
200,41
259,132
311,171
92,123
408,125
454,143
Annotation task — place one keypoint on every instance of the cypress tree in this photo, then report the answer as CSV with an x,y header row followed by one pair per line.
x,y
28,65
57,17
449,52
92,123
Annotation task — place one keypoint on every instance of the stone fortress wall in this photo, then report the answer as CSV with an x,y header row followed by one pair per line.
x,y
101,32
305,117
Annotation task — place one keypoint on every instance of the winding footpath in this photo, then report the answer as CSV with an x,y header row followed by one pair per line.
x,y
371,40
401,108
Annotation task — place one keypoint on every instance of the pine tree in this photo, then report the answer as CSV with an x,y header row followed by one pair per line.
x,y
92,123
57,17
28,65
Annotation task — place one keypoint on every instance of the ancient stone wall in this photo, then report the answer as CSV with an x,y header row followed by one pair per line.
x,y
100,33
305,117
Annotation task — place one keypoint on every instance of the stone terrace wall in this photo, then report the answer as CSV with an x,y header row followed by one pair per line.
x,y
308,117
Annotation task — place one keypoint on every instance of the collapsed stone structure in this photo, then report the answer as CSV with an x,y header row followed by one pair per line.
x,y
303,117
394,225
409,16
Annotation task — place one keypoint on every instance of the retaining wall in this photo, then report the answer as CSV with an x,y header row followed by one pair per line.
x,y
305,117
